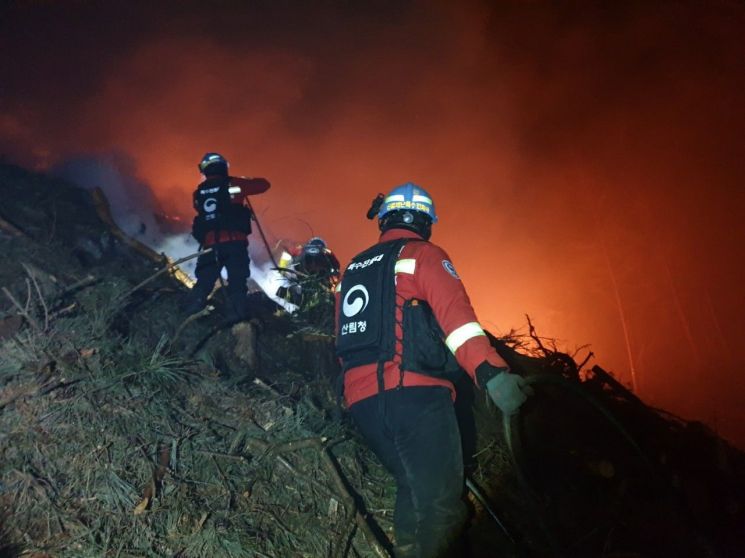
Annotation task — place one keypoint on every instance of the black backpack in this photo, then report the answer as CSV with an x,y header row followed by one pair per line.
x,y
216,211
366,326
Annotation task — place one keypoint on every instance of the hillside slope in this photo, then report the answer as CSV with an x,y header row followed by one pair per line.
x,y
128,430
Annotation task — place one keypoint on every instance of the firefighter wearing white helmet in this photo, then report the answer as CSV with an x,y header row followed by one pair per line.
x,y
223,223
406,331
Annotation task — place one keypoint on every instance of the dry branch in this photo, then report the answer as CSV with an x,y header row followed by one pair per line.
x,y
203,312
23,311
584,362
39,294
33,391
103,210
10,228
153,486
84,282
160,272
534,337
104,213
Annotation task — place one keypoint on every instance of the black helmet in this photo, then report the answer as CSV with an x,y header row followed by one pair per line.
x,y
213,164
315,245
317,241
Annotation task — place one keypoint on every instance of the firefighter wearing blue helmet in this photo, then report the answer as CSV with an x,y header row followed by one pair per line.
x,y
408,207
406,331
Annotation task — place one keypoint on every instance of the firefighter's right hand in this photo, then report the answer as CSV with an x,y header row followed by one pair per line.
x,y
508,391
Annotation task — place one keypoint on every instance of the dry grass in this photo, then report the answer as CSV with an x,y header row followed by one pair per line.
x,y
139,451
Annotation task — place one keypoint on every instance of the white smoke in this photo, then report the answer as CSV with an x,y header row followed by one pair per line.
x,y
177,246
134,207
265,275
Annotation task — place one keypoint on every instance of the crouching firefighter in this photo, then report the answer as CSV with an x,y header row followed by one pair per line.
x,y
223,223
309,267
316,259
405,330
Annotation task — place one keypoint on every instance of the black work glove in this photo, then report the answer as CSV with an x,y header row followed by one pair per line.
x,y
508,391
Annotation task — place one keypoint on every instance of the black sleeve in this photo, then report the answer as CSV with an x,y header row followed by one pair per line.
x,y
197,229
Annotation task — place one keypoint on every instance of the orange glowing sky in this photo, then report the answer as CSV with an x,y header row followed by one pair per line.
x,y
568,149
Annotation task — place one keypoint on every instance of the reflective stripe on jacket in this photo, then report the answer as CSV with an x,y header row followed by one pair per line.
x,y
424,271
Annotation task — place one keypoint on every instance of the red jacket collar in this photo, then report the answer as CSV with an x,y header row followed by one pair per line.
x,y
395,234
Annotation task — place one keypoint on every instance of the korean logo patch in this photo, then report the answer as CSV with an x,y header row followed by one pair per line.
x,y
450,268
355,301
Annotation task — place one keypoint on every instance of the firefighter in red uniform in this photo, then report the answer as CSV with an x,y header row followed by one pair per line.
x,y
405,330
223,223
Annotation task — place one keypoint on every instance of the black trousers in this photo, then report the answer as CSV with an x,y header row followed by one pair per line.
x,y
233,256
414,433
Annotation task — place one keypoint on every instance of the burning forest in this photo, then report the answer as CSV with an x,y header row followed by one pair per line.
x,y
586,162
587,158
132,429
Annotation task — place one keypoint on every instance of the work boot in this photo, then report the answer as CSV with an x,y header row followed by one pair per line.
x,y
236,310
193,305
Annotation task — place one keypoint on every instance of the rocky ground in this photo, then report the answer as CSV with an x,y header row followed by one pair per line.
x,y
128,429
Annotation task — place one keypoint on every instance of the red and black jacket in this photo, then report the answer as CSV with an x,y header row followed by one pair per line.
x,y
222,214
424,276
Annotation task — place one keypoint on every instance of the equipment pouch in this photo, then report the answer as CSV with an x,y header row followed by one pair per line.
x,y
243,219
424,350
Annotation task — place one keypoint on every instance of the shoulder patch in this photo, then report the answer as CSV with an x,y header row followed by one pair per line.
x,y
450,268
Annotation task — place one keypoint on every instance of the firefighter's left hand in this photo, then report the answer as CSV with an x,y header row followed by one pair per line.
x,y
508,391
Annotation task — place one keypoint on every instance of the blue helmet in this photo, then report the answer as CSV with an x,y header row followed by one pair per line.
x,y
409,197
213,164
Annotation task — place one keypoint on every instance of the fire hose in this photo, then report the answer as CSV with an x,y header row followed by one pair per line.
x,y
261,232
476,491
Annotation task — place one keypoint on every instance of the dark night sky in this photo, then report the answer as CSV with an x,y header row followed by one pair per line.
x,y
587,160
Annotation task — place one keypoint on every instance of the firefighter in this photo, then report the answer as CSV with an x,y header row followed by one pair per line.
x,y
223,223
310,266
316,259
405,330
